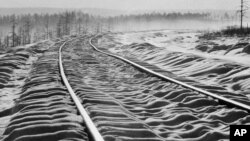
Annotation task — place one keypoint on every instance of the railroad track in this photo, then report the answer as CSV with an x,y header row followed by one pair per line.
x,y
145,69
96,135
89,123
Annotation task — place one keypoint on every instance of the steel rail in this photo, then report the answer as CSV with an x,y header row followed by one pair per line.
x,y
89,123
215,96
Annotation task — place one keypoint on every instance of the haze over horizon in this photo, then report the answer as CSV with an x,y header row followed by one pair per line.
x,y
129,5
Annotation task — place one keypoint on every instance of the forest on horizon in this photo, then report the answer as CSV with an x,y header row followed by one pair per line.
x,y
16,30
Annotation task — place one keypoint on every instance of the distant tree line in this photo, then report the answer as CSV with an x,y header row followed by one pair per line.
x,y
163,16
25,29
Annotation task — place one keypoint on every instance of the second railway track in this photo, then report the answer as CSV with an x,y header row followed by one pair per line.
x,y
127,104
144,68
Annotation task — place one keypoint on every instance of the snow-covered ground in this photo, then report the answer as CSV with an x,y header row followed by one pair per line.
x,y
187,41
218,62
15,66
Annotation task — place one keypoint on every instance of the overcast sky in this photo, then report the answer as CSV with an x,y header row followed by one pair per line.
x,y
126,4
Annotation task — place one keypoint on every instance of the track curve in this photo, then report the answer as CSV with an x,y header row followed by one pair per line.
x,y
89,123
215,96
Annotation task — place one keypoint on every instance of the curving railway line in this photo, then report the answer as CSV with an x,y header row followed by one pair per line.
x,y
143,68
119,99
90,125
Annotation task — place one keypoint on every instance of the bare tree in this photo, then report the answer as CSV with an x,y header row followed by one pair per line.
x,y
66,27
6,41
13,34
47,26
242,11
0,42
86,23
79,25
59,27
27,31
21,35
241,14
